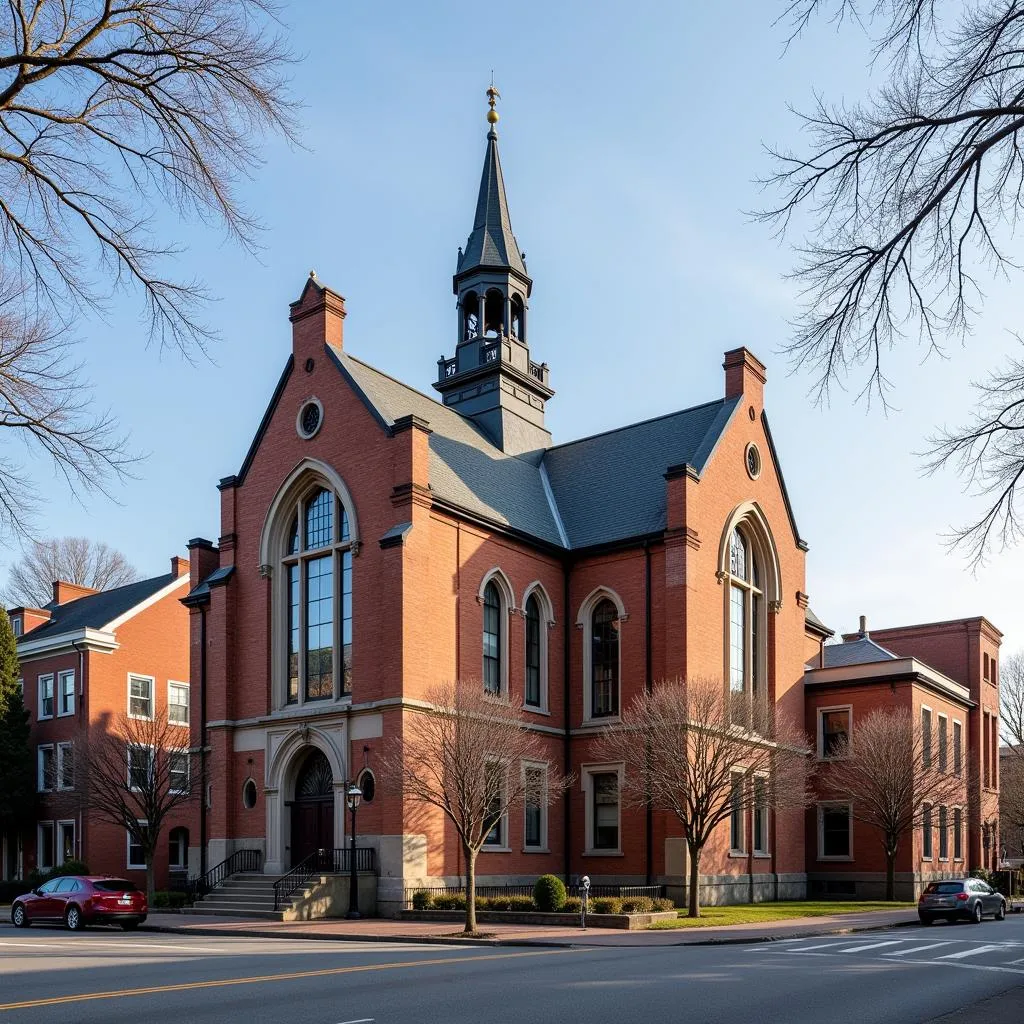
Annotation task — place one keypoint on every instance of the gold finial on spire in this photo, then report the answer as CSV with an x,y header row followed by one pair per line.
x,y
492,97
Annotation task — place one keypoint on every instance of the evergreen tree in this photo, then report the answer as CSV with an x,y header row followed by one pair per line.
x,y
18,791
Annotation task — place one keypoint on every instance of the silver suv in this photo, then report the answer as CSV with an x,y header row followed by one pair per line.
x,y
969,899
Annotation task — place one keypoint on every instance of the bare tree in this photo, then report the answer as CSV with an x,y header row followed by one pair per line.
x,y
78,560
136,773
683,752
1011,700
1011,754
891,771
909,195
464,756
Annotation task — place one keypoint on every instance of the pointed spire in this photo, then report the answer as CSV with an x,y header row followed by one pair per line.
x,y
491,243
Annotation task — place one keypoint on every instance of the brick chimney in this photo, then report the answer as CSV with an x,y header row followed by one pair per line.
x,y
744,375
316,318
64,592
179,566
205,556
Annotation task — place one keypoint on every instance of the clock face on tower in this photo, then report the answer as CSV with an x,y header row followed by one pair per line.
x,y
753,459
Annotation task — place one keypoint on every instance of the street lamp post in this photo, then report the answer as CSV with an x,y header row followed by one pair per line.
x,y
354,795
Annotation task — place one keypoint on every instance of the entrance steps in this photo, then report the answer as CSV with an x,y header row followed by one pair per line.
x,y
241,896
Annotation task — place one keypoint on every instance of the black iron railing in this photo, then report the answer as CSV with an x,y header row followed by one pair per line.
x,y
240,860
322,862
623,891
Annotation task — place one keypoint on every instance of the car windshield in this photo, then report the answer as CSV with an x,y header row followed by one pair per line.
x,y
944,888
114,885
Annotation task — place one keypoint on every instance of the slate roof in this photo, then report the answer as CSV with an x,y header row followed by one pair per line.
x,y
604,488
491,243
863,651
813,620
96,610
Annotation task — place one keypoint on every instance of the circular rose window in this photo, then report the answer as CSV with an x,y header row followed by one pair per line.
x,y
310,418
753,460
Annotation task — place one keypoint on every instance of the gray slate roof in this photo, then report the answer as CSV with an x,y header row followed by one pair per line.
x,y
863,651
605,488
96,610
813,620
491,243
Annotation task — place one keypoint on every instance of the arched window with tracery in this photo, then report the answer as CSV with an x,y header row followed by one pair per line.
x,y
317,572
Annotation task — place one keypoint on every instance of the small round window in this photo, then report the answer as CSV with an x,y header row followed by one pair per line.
x,y
753,460
249,794
368,785
309,419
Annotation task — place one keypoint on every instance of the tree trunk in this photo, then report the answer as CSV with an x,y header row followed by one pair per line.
x,y
694,896
470,928
150,881
890,874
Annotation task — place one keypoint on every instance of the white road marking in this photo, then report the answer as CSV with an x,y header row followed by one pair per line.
x,y
873,945
362,1020
78,945
917,949
968,952
806,949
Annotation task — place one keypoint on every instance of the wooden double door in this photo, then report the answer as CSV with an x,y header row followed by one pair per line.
x,y
313,809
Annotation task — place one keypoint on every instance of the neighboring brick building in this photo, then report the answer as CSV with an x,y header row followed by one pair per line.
x,y
946,674
86,658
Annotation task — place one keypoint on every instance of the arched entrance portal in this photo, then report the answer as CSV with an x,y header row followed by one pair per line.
x,y
313,808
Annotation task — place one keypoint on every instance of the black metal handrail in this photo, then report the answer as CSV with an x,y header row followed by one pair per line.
x,y
240,860
322,862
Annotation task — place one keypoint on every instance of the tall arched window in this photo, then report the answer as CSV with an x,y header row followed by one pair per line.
x,y
746,611
492,639
317,570
531,691
604,660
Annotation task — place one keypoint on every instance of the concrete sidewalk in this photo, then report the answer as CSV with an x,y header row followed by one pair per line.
x,y
380,930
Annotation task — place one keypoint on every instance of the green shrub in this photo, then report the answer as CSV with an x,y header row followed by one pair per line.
x,y
605,905
69,867
521,903
452,901
422,900
664,903
637,905
549,894
175,900
572,905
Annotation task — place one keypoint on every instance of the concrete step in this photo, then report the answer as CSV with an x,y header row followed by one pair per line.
x,y
247,901
233,905
264,915
256,890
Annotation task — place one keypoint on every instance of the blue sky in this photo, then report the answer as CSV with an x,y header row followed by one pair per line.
x,y
631,140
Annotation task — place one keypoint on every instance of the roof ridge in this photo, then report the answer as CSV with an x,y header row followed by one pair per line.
x,y
112,590
637,423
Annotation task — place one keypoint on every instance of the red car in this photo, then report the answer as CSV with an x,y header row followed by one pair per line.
x,y
77,901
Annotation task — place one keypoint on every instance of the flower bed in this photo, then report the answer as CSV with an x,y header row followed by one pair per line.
x,y
628,922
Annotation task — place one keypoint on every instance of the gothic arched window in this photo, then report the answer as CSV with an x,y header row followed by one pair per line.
x,y
317,571
492,639
746,658
604,660
532,688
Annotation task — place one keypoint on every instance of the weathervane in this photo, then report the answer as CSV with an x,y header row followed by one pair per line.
x,y
492,97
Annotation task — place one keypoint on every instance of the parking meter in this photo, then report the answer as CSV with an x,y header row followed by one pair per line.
x,y
584,891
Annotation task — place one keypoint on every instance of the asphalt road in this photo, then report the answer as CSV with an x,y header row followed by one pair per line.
x,y
952,973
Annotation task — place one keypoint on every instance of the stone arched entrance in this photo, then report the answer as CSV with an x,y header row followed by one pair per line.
x,y
312,817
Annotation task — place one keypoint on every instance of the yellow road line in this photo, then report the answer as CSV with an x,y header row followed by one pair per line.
x,y
326,972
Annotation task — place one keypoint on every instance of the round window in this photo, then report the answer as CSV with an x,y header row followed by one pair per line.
x,y
310,418
249,794
368,785
753,460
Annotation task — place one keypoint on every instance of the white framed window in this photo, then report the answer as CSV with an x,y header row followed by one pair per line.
x,y
943,834
926,737
46,768
762,811
601,617
140,696
16,625
535,806
958,833
737,824
926,832
65,766
834,726
65,842
602,785
177,703
497,834
65,693
958,748
136,858
45,845
46,696
538,619
178,771
943,738
140,767
835,831
177,848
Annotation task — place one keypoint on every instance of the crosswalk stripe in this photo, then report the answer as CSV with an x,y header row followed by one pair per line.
x,y
968,952
807,949
873,945
916,949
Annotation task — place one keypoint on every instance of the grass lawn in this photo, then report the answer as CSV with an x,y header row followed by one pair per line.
x,y
746,913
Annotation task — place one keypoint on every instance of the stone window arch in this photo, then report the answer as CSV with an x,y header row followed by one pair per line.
x,y
497,603
600,617
538,618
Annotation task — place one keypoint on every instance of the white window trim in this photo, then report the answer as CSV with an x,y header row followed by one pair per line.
x,y
58,853
587,773
40,845
848,708
41,786
58,695
152,696
182,848
543,847
128,849
507,605
188,772
942,717
39,694
61,748
16,626
585,622
821,830
128,758
931,722
547,622
188,702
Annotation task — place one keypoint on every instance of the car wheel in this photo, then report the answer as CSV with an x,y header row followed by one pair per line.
x,y
129,926
976,913
1001,912
74,920
18,916
926,919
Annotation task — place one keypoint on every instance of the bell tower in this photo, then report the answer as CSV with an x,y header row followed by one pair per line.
x,y
491,378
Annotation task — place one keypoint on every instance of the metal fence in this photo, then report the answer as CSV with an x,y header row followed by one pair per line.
x,y
488,891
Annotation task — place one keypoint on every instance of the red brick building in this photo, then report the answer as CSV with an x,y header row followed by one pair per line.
x,y
86,658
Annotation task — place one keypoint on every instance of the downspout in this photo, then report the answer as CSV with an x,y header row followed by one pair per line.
x,y
566,716
202,740
82,717
648,684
